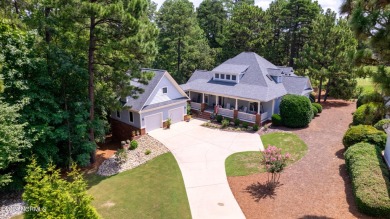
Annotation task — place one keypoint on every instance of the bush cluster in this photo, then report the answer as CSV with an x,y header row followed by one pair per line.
x,y
315,110
236,122
276,120
318,106
245,125
296,111
225,123
367,97
370,179
133,145
368,114
364,133
255,127
379,125
219,118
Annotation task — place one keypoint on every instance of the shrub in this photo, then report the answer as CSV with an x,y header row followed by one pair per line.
x,y
318,106
225,123
236,122
276,120
133,145
245,125
367,97
364,133
147,152
379,125
274,162
219,118
188,109
121,156
315,110
296,111
255,127
368,114
370,179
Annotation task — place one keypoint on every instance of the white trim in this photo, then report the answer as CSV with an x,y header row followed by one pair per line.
x,y
273,106
144,126
160,107
232,97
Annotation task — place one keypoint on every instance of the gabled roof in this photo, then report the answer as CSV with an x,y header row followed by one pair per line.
x,y
297,85
255,83
138,104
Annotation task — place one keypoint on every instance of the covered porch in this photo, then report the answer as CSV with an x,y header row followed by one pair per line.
x,y
251,111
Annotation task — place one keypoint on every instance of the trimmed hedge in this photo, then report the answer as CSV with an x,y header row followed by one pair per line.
x,y
368,114
370,179
379,125
315,110
367,97
296,111
318,106
364,133
276,120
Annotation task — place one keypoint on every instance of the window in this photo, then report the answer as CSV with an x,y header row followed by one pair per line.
x,y
131,117
118,114
216,75
206,99
222,76
234,77
227,77
165,90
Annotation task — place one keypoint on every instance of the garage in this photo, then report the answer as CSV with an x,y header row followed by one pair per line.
x,y
153,122
176,115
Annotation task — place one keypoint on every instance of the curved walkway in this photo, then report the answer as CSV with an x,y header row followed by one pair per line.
x,y
201,153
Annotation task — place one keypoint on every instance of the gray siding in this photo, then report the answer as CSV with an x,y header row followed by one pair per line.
x,y
277,104
165,111
125,118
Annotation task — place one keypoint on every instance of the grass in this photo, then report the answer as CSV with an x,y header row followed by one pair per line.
x,y
153,190
247,163
366,84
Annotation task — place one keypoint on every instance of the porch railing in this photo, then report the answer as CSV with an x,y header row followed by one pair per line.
x,y
195,106
226,112
246,117
264,116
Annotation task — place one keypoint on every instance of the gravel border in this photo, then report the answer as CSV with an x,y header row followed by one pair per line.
x,y
135,157
11,204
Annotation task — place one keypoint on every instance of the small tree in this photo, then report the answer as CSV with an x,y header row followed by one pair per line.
x,y
53,197
274,163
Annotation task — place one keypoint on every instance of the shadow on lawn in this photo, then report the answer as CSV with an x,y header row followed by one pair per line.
x,y
262,190
314,217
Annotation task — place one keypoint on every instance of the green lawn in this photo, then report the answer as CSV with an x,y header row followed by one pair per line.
x,y
153,190
366,83
247,163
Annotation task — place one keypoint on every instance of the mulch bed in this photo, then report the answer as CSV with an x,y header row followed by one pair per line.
x,y
318,186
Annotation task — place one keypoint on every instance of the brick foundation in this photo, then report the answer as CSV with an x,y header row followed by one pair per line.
x,y
122,131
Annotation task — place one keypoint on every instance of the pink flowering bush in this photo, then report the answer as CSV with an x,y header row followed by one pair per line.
x,y
274,162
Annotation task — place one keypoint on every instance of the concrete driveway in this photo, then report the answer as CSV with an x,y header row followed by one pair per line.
x,y
201,153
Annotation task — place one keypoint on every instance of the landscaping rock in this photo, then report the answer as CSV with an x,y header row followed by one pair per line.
x,y
135,157
11,204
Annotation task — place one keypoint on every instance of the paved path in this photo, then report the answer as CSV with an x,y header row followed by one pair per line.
x,y
201,153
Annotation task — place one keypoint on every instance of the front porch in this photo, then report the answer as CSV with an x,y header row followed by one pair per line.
x,y
250,111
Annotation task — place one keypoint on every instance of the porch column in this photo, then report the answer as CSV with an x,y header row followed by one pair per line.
x,y
202,97
258,115
273,106
235,112
202,105
258,108
216,99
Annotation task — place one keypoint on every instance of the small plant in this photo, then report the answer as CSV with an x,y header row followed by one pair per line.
x,y
121,156
133,145
225,123
274,163
255,127
188,109
276,120
138,133
132,133
266,127
236,122
147,152
245,125
219,118
169,122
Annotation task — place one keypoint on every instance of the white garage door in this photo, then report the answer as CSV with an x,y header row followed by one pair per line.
x,y
177,115
153,122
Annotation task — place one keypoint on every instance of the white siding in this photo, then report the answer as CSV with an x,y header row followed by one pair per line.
x,y
157,96
125,118
165,111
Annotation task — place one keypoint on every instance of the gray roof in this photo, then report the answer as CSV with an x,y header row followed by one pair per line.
x,y
156,105
230,68
254,83
296,84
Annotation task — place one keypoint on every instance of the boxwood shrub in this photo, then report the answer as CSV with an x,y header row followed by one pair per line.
x,y
370,179
318,106
367,97
364,133
315,110
219,118
296,111
368,114
276,120
379,125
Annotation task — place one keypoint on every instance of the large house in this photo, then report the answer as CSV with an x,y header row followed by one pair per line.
x,y
161,99
247,87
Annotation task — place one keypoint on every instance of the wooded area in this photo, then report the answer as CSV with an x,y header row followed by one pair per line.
x,y
65,64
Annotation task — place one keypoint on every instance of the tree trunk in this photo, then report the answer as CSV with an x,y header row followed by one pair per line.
x,y
327,90
320,89
91,87
178,56
47,29
16,7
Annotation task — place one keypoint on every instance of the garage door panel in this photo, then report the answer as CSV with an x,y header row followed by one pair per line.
x,y
153,122
176,115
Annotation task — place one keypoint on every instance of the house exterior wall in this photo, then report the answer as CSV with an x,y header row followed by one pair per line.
x,y
158,96
125,118
164,111
267,107
277,104
122,131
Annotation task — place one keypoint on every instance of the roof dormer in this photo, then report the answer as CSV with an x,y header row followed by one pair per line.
x,y
229,72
